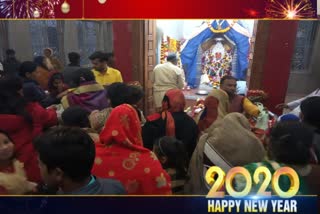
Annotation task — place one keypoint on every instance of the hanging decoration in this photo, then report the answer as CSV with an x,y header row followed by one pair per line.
x,y
219,25
169,45
164,50
28,8
65,7
289,9
102,1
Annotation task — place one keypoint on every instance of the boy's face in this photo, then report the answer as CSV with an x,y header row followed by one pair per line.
x,y
58,84
52,178
6,148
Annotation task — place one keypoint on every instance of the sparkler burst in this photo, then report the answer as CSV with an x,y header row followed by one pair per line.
x,y
289,9
28,8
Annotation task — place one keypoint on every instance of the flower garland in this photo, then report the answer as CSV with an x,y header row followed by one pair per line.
x,y
216,65
219,30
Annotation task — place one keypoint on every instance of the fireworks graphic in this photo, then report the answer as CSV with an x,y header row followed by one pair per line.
x,y
28,8
289,9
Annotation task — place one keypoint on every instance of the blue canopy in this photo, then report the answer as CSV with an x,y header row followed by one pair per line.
x,y
190,51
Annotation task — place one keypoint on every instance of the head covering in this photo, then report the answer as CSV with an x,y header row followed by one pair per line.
x,y
173,101
235,141
212,112
90,96
49,49
123,127
233,144
122,156
288,117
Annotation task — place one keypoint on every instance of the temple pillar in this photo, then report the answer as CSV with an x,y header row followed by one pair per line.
x,y
274,46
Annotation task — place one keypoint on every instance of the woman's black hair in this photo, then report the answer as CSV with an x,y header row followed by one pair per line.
x,y
135,94
83,75
11,101
291,142
75,116
175,152
6,134
39,60
310,111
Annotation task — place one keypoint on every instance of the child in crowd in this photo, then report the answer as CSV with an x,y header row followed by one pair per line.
x,y
66,156
13,180
57,89
173,158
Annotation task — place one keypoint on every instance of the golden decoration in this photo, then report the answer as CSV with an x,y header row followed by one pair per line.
x,y
111,173
134,155
114,133
128,164
65,7
102,1
147,170
98,161
36,13
220,30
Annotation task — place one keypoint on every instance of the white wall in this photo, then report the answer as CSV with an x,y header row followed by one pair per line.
x,y
182,29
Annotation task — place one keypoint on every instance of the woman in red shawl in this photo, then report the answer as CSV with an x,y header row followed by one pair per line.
x,y
172,121
23,121
121,156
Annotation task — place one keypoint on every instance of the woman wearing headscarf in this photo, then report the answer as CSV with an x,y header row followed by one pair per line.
x,y
121,155
52,62
216,105
117,93
173,122
88,94
228,142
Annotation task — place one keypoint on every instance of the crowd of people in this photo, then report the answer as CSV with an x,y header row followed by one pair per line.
x,y
73,130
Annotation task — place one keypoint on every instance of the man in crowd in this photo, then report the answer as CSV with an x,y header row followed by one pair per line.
x,y
294,106
31,89
237,102
104,74
165,77
66,157
69,72
111,62
11,65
